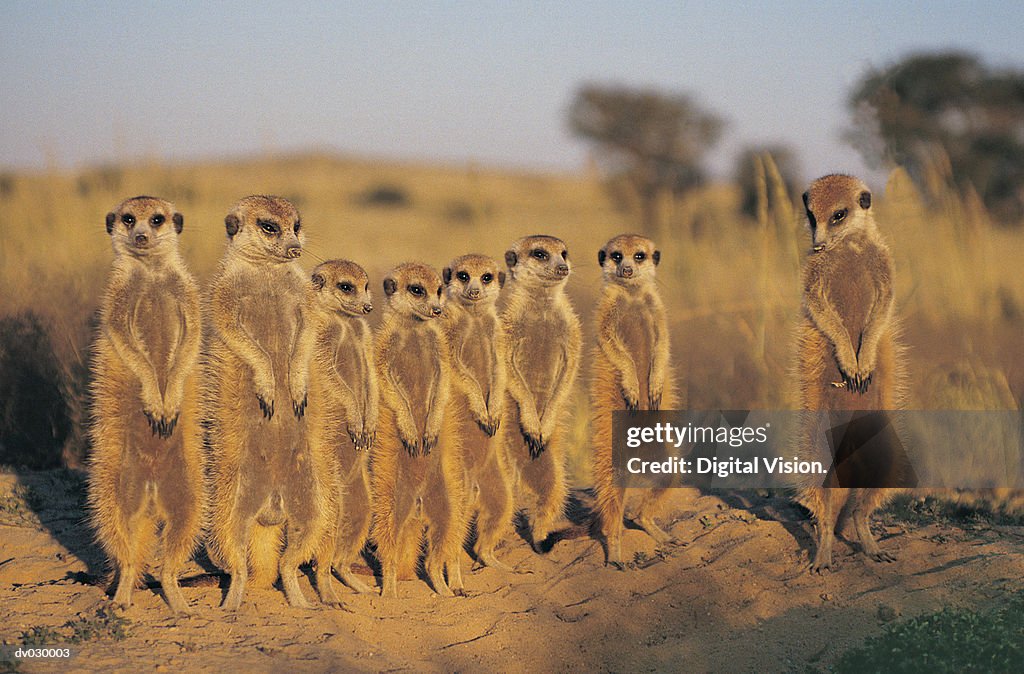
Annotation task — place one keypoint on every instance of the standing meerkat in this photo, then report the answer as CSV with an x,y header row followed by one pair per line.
x,y
542,355
146,468
850,356
342,413
268,490
472,285
631,371
417,469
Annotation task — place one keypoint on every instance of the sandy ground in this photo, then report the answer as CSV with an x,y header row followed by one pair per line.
x,y
734,597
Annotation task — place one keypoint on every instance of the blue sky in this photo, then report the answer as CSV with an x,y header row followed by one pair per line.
x,y
490,82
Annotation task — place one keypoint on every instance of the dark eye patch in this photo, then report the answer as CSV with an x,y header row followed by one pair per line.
x,y
269,226
539,253
128,219
462,276
417,290
839,215
616,256
487,278
346,287
298,226
640,256
157,220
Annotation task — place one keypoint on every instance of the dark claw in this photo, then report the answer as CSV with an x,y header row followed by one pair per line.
x,y
266,408
459,592
489,429
300,408
655,402
632,404
428,444
413,448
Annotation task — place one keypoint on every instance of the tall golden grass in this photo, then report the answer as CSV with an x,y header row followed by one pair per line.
x,y
730,282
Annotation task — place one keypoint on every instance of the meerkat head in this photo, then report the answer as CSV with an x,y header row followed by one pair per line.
x,y
143,226
837,205
541,260
414,290
265,228
473,279
343,287
628,259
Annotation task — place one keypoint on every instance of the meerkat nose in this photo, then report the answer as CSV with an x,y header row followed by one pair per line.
x,y
474,293
435,310
367,308
293,251
627,272
563,270
141,240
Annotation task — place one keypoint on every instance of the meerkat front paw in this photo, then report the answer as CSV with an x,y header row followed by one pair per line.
x,y
299,406
632,399
428,443
266,406
412,447
489,425
534,442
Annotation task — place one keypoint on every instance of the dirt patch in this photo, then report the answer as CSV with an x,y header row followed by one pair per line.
x,y
735,597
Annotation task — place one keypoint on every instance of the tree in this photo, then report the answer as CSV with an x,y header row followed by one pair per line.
x,y
653,141
952,102
746,173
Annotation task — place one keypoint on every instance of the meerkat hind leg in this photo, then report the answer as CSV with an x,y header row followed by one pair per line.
x,y
126,577
645,517
865,504
829,504
289,567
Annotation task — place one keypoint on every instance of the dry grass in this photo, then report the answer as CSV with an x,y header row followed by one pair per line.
x,y
731,282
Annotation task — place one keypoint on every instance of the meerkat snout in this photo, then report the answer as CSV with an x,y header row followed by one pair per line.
x,y
367,308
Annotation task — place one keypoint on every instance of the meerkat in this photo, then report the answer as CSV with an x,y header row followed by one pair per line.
x,y
342,413
417,467
268,490
631,371
472,284
850,356
146,467
542,339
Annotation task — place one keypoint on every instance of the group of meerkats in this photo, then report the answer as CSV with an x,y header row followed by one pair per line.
x,y
266,416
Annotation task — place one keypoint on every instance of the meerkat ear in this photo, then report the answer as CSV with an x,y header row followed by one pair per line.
x,y
511,258
446,274
656,257
232,223
179,222
390,286
601,255
501,279
806,197
110,222
865,200
319,281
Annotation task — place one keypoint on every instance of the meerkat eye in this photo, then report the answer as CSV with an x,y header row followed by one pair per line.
x,y
640,257
298,225
157,220
839,215
417,290
616,257
269,226
128,219
487,278
539,253
462,276
346,287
